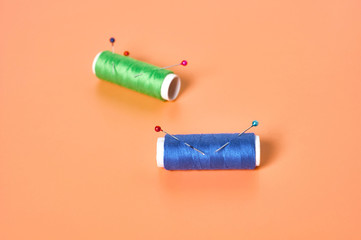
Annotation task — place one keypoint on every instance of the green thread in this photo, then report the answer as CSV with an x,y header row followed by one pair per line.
x,y
122,71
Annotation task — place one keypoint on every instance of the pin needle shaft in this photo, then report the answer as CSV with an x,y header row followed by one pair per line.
x,y
158,129
254,124
183,63
184,143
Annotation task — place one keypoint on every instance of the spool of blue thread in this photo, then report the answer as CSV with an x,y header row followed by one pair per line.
x,y
243,152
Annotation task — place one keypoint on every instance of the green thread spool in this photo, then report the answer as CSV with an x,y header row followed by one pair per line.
x,y
136,75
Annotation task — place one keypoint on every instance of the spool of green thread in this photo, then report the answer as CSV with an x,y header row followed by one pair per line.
x,y
139,76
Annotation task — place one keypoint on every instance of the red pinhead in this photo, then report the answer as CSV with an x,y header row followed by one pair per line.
x,y
126,53
184,63
157,129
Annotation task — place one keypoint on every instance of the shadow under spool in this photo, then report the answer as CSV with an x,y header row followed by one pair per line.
x,y
136,75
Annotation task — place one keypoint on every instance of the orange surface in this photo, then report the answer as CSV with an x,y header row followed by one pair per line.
x,y
77,155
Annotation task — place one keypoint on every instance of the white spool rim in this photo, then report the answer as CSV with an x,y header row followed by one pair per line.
x,y
95,62
257,145
170,87
160,151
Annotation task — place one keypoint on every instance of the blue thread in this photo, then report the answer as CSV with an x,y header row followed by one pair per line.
x,y
239,154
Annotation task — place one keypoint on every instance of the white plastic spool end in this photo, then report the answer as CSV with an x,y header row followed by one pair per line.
x,y
95,62
170,87
160,152
258,151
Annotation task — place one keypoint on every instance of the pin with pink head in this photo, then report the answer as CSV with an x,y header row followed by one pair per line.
x,y
182,63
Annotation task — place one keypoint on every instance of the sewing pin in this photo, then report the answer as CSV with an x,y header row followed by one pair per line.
x,y
112,40
158,129
254,124
183,63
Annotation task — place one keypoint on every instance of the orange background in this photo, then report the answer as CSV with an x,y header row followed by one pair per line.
x,y
77,155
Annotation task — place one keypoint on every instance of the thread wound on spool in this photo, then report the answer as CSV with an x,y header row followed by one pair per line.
x,y
153,81
242,153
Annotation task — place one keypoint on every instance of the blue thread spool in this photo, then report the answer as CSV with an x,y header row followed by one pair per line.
x,y
243,152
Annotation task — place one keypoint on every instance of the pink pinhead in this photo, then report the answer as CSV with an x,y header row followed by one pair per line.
x,y
184,63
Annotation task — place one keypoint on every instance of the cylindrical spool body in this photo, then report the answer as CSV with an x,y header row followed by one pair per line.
x,y
161,150
136,75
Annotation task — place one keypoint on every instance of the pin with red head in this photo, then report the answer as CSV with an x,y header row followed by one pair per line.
x,y
159,129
